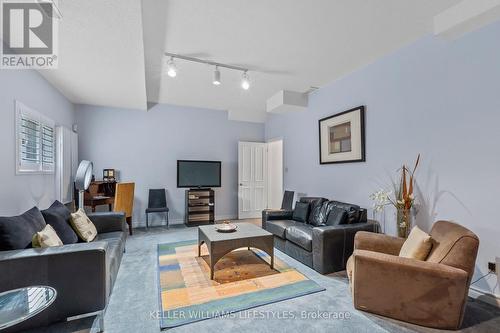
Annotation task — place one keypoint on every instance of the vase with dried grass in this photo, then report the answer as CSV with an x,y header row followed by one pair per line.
x,y
403,199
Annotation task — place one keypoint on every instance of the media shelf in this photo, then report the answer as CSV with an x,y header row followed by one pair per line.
x,y
200,207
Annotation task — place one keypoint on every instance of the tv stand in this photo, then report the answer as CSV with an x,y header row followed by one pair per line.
x,y
200,207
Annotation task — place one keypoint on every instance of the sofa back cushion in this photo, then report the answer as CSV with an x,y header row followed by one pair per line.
x,y
301,212
317,214
17,232
337,216
58,216
310,199
353,211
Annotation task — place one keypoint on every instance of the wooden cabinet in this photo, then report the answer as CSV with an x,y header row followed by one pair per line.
x,y
200,207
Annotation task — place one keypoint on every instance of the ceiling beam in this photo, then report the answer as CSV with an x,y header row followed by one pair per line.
x,y
466,16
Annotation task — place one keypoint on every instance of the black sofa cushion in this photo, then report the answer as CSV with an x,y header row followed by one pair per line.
x,y
353,211
301,212
310,199
317,215
337,216
57,215
278,227
17,232
300,235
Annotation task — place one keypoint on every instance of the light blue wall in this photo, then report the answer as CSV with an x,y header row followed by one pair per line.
x,y
145,146
435,97
20,193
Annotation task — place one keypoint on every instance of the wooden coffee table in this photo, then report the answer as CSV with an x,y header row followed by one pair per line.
x,y
221,243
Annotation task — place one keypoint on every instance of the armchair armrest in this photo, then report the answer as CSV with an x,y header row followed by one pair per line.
x,y
275,214
108,222
76,271
378,243
420,292
333,245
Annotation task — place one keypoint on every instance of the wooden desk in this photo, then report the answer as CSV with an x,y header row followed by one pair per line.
x,y
100,193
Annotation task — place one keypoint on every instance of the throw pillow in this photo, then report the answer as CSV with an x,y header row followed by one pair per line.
x,y
58,216
16,232
46,238
301,211
337,216
417,246
83,226
317,216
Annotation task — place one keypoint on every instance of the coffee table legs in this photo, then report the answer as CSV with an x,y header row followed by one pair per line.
x,y
211,261
272,258
216,253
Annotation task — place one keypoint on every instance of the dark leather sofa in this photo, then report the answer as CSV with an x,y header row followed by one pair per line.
x,y
83,274
323,247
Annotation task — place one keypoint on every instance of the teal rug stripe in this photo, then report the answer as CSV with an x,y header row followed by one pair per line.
x,y
229,305
225,306
169,248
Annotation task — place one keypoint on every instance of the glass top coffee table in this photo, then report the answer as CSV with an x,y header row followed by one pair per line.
x,y
221,243
21,304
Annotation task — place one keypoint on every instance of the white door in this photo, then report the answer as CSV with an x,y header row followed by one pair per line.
x,y
252,177
274,174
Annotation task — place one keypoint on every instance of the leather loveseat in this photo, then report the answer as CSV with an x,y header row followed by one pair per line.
x,y
83,274
321,241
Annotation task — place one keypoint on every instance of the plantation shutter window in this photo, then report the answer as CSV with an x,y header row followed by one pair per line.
x,y
35,141
48,143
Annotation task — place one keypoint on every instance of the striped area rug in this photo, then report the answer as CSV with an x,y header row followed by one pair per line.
x,y
243,280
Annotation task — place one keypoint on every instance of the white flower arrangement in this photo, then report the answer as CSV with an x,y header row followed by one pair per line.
x,y
380,199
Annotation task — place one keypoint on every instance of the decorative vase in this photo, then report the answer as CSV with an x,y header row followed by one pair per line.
x,y
404,222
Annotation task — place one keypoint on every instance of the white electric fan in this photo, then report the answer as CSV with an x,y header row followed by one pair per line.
x,y
82,180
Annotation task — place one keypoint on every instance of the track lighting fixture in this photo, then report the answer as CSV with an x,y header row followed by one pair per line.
x,y
171,68
216,80
245,81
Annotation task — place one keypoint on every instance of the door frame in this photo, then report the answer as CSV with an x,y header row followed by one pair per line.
x,y
269,167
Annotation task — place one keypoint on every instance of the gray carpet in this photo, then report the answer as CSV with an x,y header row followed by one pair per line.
x,y
134,302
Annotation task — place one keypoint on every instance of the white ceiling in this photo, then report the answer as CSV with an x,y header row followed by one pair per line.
x,y
101,55
111,50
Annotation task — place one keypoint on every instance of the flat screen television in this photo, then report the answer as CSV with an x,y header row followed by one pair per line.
x,y
198,174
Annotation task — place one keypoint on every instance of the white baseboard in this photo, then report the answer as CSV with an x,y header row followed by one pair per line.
x,y
484,296
140,224
226,217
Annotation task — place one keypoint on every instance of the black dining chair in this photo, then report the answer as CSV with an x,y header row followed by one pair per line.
x,y
287,202
157,203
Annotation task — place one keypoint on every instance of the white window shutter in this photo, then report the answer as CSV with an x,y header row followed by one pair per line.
x,y
35,141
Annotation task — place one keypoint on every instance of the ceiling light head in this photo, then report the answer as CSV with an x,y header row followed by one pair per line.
x,y
171,68
216,80
245,81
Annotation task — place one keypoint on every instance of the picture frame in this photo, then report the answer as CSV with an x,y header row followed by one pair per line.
x,y
342,137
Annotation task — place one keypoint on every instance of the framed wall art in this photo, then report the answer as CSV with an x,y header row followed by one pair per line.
x,y
342,137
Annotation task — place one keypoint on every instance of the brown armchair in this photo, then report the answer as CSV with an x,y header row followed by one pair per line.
x,y
430,293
